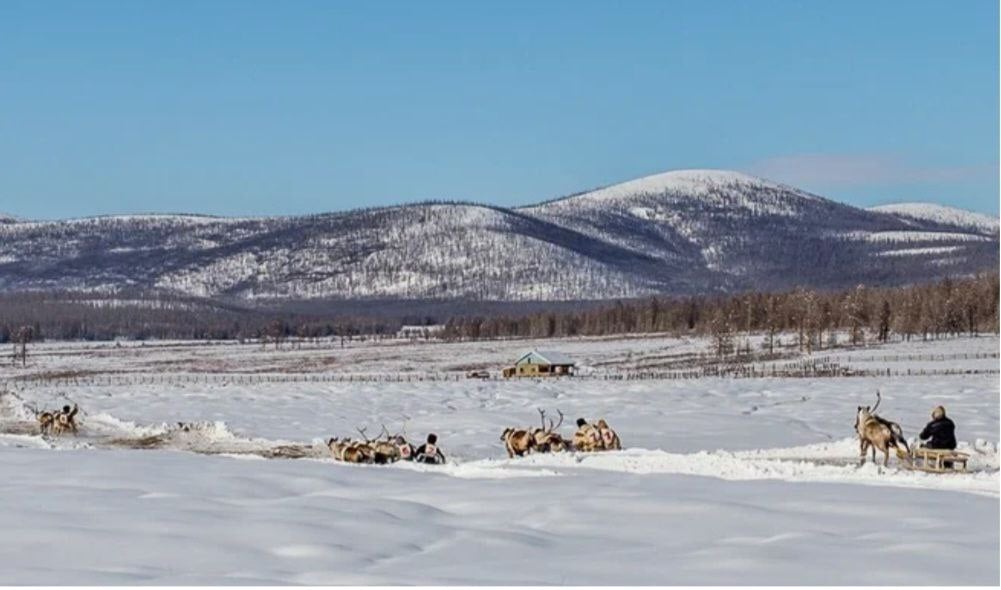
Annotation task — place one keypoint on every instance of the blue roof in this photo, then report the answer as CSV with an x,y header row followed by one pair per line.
x,y
547,357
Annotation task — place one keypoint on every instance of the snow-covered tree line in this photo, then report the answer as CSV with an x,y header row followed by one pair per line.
x,y
944,308
861,314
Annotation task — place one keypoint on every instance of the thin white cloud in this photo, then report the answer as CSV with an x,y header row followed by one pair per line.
x,y
846,170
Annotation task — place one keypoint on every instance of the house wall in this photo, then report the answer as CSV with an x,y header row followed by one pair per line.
x,y
533,369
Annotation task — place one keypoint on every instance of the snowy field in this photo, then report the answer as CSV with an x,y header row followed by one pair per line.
x,y
360,357
723,481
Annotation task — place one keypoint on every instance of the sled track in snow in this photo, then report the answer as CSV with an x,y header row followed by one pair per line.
x,y
203,438
828,462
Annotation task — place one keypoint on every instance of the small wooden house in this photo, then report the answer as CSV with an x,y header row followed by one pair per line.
x,y
538,363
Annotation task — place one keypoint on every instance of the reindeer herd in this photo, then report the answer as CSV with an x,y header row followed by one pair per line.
x,y
383,449
874,433
388,447
545,439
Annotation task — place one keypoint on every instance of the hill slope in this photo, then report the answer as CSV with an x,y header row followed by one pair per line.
x,y
679,232
977,222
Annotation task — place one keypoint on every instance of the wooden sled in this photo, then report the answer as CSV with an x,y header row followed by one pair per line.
x,y
937,461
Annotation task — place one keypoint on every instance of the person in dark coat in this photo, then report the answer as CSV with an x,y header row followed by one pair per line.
x,y
429,451
940,433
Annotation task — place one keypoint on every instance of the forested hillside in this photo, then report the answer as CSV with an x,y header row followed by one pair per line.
x,y
679,233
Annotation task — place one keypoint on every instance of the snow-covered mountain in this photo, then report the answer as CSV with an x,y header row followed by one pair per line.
x,y
941,214
682,232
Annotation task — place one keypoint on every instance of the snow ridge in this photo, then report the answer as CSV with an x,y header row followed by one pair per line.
x,y
942,214
689,182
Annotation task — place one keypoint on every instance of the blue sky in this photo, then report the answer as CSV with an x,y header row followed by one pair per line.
x,y
250,108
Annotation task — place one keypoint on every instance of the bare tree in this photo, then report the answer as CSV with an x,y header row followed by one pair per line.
x,y
855,312
773,321
721,329
24,335
276,331
885,320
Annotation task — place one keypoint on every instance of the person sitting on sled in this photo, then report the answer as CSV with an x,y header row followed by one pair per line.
x,y
429,451
587,438
940,432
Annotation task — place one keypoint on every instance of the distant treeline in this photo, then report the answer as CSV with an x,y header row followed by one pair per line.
x,y
156,316
931,310
948,307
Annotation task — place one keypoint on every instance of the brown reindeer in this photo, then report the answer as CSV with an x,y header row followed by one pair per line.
x,y
46,419
391,448
337,446
357,452
385,448
369,449
878,433
350,451
518,441
547,440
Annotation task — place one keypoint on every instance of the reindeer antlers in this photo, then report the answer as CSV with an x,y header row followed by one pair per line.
x,y
403,427
361,431
552,427
558,424
878,399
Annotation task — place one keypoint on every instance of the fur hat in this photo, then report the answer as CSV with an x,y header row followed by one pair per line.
x,y
938,413
581,422
432,438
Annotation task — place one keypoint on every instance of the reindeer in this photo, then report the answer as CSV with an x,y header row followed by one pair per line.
x,y
878,433
546,439
46,420
350,451
377,451
392,448
357,452
384,448
609,438
517,441
337,446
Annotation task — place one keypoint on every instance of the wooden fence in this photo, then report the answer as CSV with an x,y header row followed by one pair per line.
x,y
748,371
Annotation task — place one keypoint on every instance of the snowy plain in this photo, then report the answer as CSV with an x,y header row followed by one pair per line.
x,y
723,481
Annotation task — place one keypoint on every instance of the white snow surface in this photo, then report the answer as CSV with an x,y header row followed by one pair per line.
x,y
714,186
942,214
915,236
722,481
693,182
921,251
